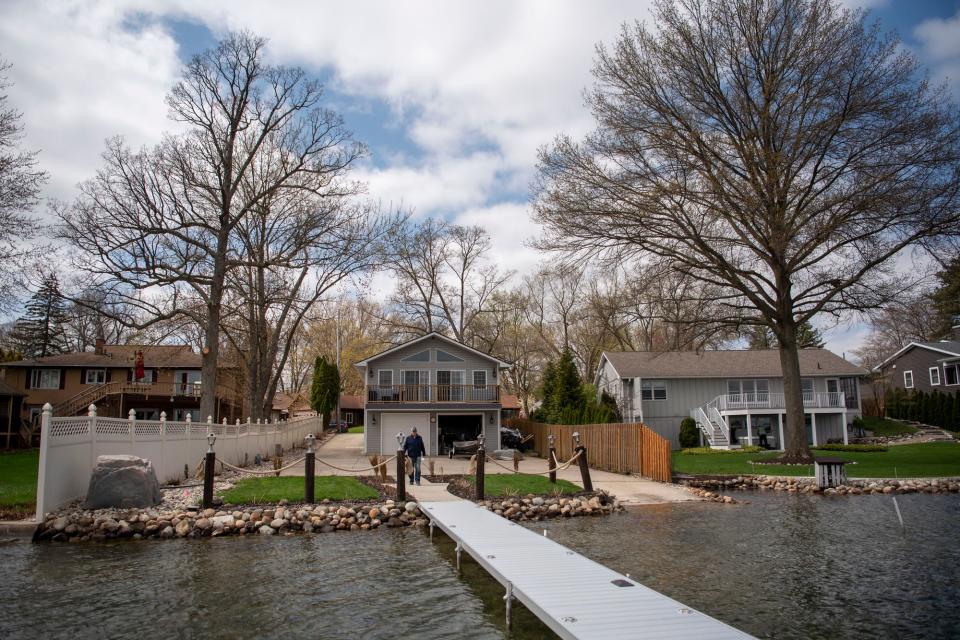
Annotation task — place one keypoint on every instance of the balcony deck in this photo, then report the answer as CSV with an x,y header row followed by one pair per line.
x,y
740,403
392,395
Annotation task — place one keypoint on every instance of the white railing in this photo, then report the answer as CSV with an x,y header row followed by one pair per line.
x,y
745,401
69,447
718,421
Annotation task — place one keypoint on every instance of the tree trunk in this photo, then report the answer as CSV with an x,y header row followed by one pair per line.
x,y
796,449
211,353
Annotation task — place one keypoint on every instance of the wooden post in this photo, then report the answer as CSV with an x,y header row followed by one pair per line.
x,y
209,464
401,470
309,463
481,459
584,469
552,459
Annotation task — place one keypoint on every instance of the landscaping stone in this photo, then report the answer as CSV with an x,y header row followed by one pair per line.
x,y
122,481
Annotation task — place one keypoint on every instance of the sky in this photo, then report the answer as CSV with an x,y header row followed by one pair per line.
x,y
452,98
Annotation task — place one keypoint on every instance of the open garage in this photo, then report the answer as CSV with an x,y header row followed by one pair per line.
x,y
457,427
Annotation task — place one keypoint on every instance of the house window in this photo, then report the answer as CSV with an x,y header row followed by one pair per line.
x,y
349,417
148,414
934,376
450,386
416,385
908,379
45,378
950,372
95,376
806,387
148,376
423,356
385,377
479,378
443,356
653,390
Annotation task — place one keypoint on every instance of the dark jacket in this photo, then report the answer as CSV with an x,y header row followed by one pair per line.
x,y
413,446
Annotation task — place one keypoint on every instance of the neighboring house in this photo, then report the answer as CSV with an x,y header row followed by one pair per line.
x,y
10,409
447,390
736,397
351,409
71,382
924,366
290,405
509,406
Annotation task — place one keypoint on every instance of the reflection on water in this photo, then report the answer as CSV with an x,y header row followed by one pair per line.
x,y
780,567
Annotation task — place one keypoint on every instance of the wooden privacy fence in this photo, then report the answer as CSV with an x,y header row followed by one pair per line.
x,y
620,447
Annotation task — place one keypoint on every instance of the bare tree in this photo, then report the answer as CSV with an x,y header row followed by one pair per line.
x,y
444,278
20,184
168,217
779,150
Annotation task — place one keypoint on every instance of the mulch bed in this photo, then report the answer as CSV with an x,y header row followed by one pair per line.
x,y
375,483
463,488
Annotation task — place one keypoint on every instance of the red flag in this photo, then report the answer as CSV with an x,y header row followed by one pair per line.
x,y
138,366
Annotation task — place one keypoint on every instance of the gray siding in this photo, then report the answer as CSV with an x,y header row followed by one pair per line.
x,y
394,362
919,361
372,432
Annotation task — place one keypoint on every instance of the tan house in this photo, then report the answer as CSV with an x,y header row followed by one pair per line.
x,y
107,377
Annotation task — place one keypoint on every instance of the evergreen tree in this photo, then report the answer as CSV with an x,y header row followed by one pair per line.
x,y
325,389
41,331
808,337
566,393
946,297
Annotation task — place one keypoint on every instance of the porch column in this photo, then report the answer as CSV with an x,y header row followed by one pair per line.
x,y
780,425
749,431
813,425
638,394
843,417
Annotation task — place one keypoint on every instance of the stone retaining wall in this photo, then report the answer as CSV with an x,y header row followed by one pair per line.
x,y
808,485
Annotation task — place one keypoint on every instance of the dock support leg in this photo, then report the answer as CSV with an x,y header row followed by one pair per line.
x,y
508,598
431,531
459,550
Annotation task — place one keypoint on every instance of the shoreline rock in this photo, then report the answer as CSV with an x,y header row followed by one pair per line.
x,y
859,486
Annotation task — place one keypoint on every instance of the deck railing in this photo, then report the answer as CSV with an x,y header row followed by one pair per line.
x,y
433,393
811,400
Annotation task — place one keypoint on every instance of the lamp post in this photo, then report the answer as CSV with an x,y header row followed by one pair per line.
x,y
552,458
209,464
401,469
481,458
309,469
584,469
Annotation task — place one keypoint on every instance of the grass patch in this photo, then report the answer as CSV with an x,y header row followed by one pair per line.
x,y
503,484
862,448
356,429
887,427
707,451
925,460
18,483
270,490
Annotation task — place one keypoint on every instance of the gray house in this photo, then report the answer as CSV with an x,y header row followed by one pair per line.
x,y
925,366
447,390
736,397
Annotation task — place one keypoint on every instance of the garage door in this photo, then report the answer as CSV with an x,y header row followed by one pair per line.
x,y
394,423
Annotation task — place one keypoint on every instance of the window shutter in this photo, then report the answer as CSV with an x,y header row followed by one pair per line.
x,y
63,377
83,376
29,378
129,375
109,375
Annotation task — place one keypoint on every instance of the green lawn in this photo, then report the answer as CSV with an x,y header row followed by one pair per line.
x,y
501,484
356,429
272,489
886,426
18,483
931,459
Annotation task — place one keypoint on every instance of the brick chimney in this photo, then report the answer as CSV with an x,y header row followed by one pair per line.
x,y
99,345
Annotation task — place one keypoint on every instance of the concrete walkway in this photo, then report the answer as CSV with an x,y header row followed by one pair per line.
x,y
345,450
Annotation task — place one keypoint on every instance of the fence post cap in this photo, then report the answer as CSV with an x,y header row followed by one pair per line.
x,y
576,437
132,414
92,410
47,406
163,416
211,440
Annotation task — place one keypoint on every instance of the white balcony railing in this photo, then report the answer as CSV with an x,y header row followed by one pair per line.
x,y
750,401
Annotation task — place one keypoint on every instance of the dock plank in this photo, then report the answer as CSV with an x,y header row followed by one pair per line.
x,y
573,595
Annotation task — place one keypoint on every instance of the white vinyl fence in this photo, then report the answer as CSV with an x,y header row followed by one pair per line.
x,y
69,447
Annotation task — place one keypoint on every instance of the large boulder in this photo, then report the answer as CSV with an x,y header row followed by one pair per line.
x,y
122,481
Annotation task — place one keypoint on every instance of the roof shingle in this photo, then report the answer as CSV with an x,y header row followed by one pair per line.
x,y
724,364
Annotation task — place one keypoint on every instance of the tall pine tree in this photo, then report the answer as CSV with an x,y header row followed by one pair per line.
x,y
41,331
808,337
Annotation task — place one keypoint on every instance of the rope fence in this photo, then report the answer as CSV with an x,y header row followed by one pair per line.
x,y
537,473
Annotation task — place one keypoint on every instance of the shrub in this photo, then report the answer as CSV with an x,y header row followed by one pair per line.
x,y
706,451
860,448
689,434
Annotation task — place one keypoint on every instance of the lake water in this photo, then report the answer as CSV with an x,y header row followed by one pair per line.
x,y
779,567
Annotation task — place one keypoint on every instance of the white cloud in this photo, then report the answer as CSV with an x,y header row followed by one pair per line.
x,y
940,46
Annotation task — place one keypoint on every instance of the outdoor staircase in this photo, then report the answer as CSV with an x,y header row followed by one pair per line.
x,y
712,425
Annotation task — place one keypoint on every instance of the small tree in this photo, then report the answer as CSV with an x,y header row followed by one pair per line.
x,y
566,393
325,390
42,330
689,434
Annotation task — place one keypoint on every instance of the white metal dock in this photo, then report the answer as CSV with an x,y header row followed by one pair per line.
x,y
573,595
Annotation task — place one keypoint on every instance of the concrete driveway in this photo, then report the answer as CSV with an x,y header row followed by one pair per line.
x,y
345,450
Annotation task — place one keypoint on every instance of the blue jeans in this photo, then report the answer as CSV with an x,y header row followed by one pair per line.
x,y
415,476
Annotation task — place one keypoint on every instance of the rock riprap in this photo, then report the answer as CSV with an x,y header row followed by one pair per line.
x,y
539,508
122,481
808,485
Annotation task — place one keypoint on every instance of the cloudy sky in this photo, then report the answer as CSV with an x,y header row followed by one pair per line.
x,y
453,98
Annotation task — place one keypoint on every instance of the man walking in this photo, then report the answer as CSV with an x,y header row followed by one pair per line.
x,y
413,447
